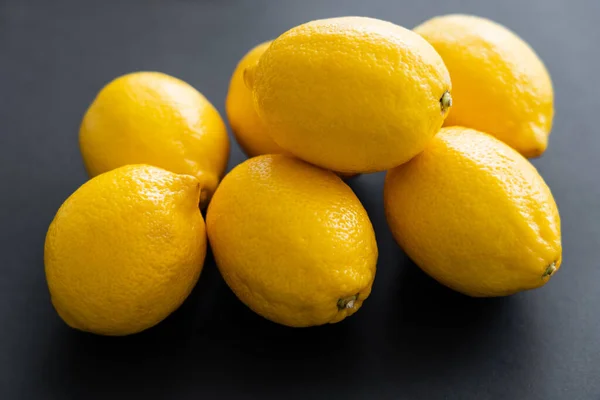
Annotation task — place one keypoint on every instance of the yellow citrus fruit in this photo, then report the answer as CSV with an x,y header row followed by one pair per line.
x,y
125,250
156,119
247,127
475,215
292,241
499,84
351,94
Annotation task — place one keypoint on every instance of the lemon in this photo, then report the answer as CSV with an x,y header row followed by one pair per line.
x,y
248,129
125,250
292,241
475,215
500,85
156,119
351,94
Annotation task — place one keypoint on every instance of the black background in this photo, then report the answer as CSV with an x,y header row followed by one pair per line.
x,y
413,339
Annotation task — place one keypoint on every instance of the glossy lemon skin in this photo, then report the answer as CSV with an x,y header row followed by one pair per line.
x,y
499,84
292,241
475,215
350,94
125,250
156,119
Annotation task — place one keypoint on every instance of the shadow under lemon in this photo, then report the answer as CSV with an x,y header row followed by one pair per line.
x,y
433,329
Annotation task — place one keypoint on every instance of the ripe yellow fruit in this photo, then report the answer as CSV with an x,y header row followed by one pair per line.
x,y
247,127
125,250
475,215
500,86
292,241
351,94
156,119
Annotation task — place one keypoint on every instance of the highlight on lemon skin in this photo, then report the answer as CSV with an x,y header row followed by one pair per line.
x,y
499,84
156,119
292,241
475,215
125,250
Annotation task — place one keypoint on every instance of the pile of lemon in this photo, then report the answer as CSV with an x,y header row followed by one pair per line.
x,y
450,109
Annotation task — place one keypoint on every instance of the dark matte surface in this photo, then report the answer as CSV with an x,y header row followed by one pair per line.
x,y
413,339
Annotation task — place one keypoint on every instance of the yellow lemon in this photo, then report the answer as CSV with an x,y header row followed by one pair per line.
x,y
292,241
475,215
351,94
500,86
125,250
156,119
247,127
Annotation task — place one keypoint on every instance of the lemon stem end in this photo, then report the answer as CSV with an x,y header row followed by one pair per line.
x,y
249,76
550,270
347,302
446,101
